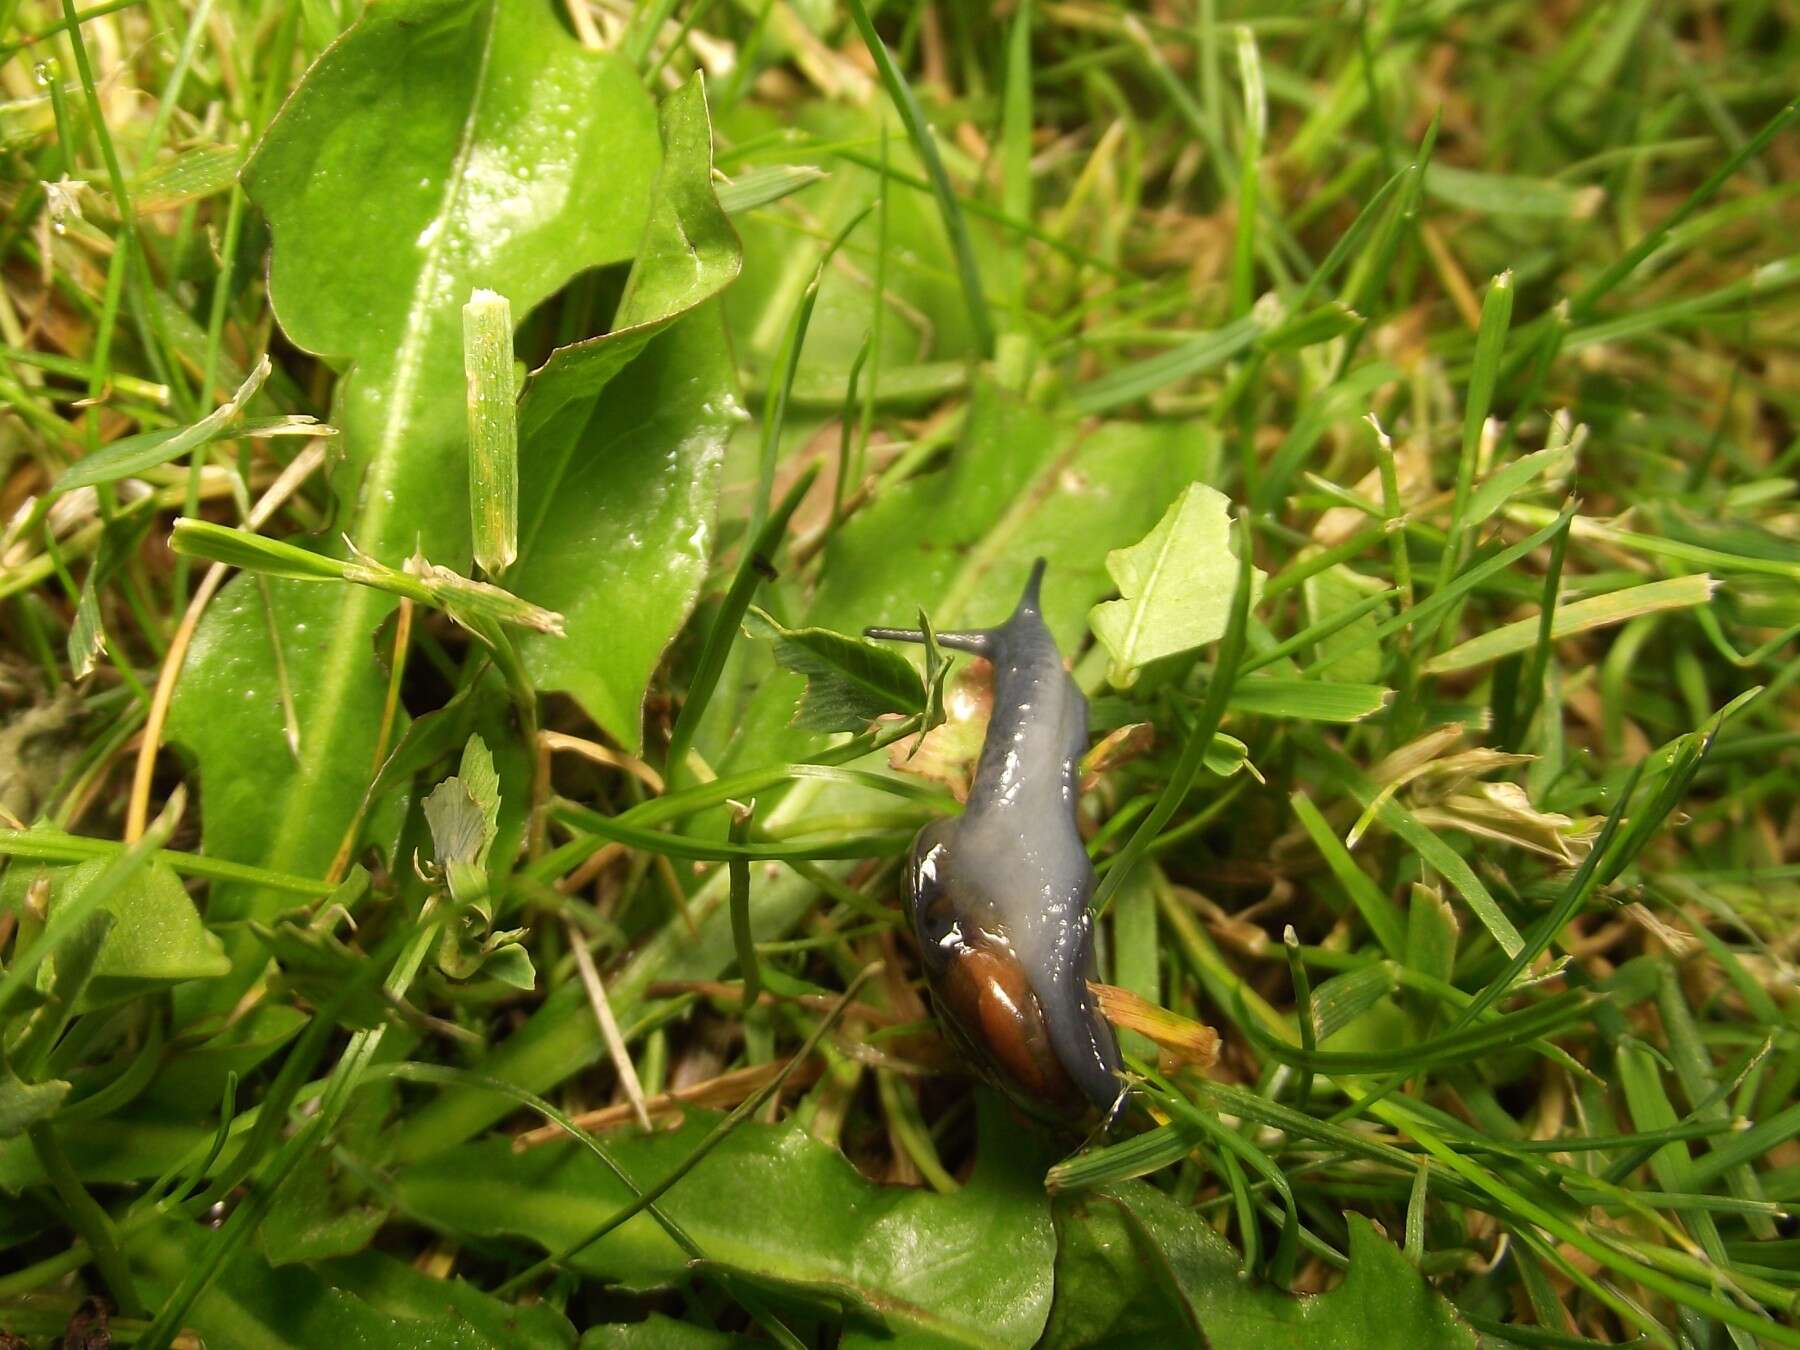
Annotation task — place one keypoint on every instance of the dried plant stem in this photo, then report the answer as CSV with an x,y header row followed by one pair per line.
x,y
609,1026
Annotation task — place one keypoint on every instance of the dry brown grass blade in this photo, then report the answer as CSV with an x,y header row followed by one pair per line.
x,y
609,1026
726,1090
1191,1044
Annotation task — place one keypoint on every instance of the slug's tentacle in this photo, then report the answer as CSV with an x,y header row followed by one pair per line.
x,y
975,641
976,644
999,896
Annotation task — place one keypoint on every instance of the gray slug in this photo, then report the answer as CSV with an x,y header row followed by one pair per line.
x,y
999,895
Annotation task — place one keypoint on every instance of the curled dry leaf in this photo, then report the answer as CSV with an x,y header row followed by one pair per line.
x,y
1502,811
1412,758
1119,746
947,753
1453,771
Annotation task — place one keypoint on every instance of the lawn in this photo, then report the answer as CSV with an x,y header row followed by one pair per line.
x,y
456,840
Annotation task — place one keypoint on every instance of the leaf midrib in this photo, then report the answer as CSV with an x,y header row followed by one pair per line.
x,y
1140,603
356,618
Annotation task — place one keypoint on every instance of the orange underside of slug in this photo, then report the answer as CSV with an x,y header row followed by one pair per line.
x,y
986,991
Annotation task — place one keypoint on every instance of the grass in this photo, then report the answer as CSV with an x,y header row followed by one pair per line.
x,y
1475,834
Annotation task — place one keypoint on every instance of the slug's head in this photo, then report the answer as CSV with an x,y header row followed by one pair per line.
x,y
1033,1032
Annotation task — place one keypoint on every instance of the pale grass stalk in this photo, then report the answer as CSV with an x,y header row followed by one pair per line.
x,y
609,1026
600,754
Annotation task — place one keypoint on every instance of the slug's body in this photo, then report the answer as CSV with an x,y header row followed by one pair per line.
x,y
999,896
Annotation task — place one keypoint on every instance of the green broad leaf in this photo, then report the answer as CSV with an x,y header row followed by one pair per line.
x,y
157,937
1309,700
1176,584
1598,611
262,803
959,543
510,964
1226,755
22,1105
922,338
1133,1267
689,253
822,388
399,1290
296,1307
134,1146
503,155
199,1073
1355,649
316,965
617,490
463,814
849,681
618,537
657,1332
468,948
774,1206
315,1216
134,454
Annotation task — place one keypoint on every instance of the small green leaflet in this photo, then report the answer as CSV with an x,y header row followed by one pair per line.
x,y
1176,585
849,682
1354,651
464,815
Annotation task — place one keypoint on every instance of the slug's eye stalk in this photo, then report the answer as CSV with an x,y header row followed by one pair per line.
x,y
998,898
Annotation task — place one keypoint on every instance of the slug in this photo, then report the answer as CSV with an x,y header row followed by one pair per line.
x,y
998,897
